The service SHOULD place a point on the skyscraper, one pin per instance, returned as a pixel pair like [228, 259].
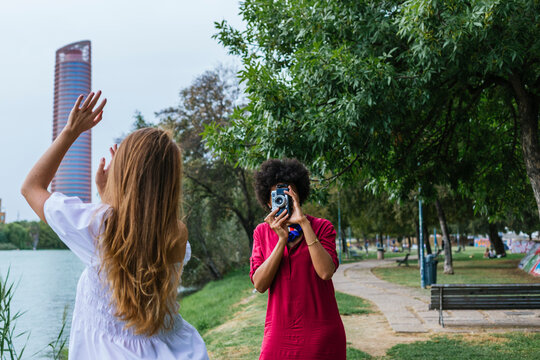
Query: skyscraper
[2, 214]
[72, 77]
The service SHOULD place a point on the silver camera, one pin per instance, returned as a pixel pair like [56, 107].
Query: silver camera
[280, 200]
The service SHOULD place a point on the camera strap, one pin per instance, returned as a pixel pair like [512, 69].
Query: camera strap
[295, 231]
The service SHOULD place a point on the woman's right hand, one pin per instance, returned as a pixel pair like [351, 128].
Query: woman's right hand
[278, 224]
[84, 117]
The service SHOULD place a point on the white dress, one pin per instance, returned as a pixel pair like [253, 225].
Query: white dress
[95, 332]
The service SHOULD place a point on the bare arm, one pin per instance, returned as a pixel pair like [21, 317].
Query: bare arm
[321, 259]
[34, 187]
[264, 275]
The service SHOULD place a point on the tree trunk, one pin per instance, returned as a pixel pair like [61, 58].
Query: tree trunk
[249, 227]
[528, 114]
[410, 242]
[448, 266]
[496, 241]
[209, 262]
[248, 222]
[426, 239]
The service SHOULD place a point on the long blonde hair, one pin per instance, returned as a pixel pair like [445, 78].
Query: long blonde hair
[143, 240]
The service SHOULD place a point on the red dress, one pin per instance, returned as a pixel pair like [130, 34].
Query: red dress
[302, 318]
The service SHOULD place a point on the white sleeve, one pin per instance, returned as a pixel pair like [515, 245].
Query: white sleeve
[187, 256]
[76, 223]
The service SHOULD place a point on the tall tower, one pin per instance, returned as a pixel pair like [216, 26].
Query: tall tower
[2, 214]
[72, 77]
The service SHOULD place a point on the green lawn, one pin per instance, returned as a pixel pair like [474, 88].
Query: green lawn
[510, 346]
[372, 255]
[469, 267]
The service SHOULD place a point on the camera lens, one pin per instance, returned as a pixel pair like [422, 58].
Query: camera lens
[279, 200]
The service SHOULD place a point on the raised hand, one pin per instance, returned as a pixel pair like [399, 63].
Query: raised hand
[278, 224]
[297, 215]
[103, 173]
[84, 117]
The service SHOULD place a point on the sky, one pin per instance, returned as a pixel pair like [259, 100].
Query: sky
[143, 54]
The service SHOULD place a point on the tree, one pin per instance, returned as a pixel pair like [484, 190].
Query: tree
[386, 90]
[380, 85]
[211, 99]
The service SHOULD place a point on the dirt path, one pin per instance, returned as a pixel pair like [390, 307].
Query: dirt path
[372, 334]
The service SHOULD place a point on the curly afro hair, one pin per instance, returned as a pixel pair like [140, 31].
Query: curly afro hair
[275, 171]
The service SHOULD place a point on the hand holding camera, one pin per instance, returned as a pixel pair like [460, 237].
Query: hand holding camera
[278, 223]
[285, 199]
[296, 215]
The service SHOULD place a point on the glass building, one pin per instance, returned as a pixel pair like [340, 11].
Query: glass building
[72, 77]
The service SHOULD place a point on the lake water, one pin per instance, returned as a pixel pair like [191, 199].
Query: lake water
[47, 282]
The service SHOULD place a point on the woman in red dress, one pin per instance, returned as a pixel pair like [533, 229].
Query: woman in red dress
[294, 258]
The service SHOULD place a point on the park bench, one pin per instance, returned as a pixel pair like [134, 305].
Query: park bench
[405, 260]
[483, 297]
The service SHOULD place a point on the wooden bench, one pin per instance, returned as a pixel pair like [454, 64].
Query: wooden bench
[483, 297]
[405, 260]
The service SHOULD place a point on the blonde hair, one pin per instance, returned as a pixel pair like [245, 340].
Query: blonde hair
[144, 242]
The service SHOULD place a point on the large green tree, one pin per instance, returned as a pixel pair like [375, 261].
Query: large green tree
[386, 89]
[356, 85]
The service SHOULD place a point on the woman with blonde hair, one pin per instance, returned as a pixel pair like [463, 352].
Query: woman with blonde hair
[132, 243]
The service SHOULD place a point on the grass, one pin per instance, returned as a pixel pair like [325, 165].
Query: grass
[511, 346]
[469, 268]
[352, 305]
[8, 319]
[215, 303]
[355, 354]
[372, 255]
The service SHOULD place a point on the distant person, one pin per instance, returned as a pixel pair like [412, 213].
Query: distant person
[132, 243]
[294, 258]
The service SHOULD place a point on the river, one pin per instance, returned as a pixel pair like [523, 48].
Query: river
[47, 282]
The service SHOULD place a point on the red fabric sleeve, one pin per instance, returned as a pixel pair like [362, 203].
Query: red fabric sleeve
[327, 237]
[257, 257]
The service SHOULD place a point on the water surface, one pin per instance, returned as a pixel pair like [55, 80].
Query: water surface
[47, 282]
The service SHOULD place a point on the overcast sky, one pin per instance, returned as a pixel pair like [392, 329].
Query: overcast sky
[143, 53]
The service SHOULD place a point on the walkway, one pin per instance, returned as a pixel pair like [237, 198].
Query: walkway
[406, 309]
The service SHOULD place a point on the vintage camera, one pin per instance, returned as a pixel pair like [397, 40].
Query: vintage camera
[280, 200]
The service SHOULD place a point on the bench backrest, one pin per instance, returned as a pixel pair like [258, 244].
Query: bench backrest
[485, 296]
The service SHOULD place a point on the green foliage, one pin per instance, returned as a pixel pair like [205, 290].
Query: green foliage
[24, 234]
[18, 235]
[402, 93]
[8, 332]
[58, 345]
